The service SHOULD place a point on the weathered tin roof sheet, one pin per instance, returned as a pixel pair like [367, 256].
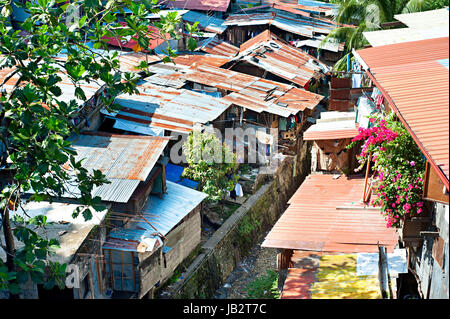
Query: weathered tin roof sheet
[162, 213]
[202, 5]
[325, 215]
[316, 7]
[168, 108]
[333, 126]
[205, 21]
[252, 92]
[218, 47]
[416, 86]
[269, 52]
[70, 232]
[303, 26]
[425, 19]
[126, 160]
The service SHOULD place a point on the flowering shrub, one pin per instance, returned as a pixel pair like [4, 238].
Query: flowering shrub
[399, 165]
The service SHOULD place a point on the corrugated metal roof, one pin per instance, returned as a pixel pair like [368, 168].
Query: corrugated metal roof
[217, 47]
[276, 6]
[66, 85]
[202, 5]
[303, 26]
[276, 56]
[391, 36]
[126, 160]
[70, 232]
[205, 22]
[162, 213]
[416, 86]
[425, 19]
[200, 59]
[315, 7]
[154, 35]
[129, 60]
[168, 108]
[252, 92]
[422, 25]
[325, 215]
[332, 126]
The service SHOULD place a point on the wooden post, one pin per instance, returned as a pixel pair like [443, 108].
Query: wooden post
[367, 176]
[383, 273]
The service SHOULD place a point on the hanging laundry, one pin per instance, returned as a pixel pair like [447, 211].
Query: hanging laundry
[282, 124]
[379, 100]
[365, 108]
[238, 189]
[356, 80]
[375, 93]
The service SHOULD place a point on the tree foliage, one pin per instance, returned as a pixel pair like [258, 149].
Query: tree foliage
[368, 15]
[211, 163]
[49, 47]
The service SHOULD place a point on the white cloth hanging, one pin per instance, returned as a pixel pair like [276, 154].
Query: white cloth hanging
[238, 189]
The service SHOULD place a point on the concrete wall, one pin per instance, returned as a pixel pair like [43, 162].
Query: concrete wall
[240, 232]
[182, 240]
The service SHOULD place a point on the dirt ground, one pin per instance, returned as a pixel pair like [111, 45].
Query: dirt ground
[253, 266]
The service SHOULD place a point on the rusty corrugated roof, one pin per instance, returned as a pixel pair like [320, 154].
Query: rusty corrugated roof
[119, 156]
[269, 52]
[325, 215]
[201, 5]
[126, 161]
[218, 47]
[250, 91]
[168, 108]
[129, 61]
[154, 36]
[416, 84]
[333, 126]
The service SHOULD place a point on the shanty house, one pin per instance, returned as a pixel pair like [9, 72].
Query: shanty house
[142, 255]
[80, 246]
[268, 56]
[417, 90]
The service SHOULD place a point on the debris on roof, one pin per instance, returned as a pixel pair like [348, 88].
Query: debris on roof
[250, 91]
[70, 232]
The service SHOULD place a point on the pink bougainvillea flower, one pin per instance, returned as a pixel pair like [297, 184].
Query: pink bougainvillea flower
[412, 163]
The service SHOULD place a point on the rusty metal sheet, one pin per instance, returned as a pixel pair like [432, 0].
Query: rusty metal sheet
[218, 47]
[119, 156]
[416, 86]
[201, 5]
[271, 53]
[324, 214]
